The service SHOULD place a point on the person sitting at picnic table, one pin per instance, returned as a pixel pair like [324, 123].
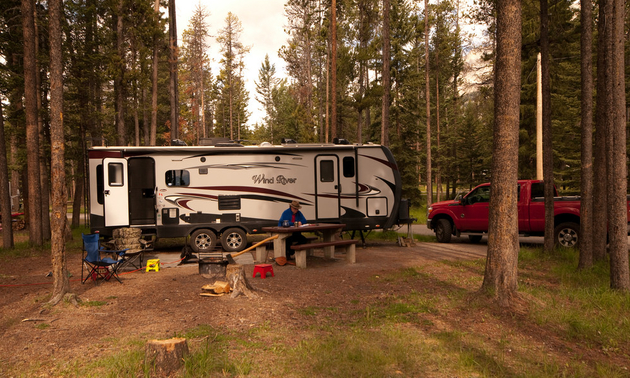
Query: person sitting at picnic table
[293, 217]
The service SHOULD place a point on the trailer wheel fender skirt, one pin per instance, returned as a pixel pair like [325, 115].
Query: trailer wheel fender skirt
[203, 240]
[233, 239]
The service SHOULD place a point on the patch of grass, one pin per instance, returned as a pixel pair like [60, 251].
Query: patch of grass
[382, 235]
[580, 304]
[309, 311]
[42, 326]
[420, 213]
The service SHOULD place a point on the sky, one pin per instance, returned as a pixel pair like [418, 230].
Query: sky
[263, 24]
[263, 30]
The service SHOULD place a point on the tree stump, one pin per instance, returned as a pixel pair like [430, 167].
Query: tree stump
[237, 279]
[165, 357]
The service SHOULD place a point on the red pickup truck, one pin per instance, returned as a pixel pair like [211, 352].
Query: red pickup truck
[470, 214]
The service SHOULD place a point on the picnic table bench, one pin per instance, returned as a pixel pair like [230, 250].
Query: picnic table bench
[329, 250]
[261, 250]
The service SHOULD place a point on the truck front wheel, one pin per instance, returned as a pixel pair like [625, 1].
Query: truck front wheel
[443, 231]
[567, 234]
[475, 238]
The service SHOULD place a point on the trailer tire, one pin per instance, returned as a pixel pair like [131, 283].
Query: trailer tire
[443, 231]
[203, 240]
[567, 234]
[233, 239]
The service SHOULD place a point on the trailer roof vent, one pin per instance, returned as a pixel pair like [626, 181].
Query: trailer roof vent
[178, 142]
[340, 141]
[288, 141]
[219, 142]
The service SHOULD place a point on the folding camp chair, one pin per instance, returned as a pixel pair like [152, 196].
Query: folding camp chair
[96, 266]
[136, 245]
[133, 259]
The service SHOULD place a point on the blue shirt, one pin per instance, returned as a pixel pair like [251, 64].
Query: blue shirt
[288, 215]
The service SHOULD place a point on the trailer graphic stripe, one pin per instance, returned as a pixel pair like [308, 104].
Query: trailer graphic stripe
[391, 165]
[182, 199]
[248, 189]
[240, 166]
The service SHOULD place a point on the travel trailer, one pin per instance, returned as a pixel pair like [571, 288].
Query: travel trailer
[227, 191]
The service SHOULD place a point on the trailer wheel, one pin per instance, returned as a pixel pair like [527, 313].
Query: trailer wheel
[233, 240]
[443, 231]
[203, 240]
[567, 234]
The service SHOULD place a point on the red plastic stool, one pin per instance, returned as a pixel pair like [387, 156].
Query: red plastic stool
[263, 269]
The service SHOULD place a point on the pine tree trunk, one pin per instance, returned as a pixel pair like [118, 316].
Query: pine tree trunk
[604, 99]
[154, 82]
[333, 71]
[43, 167]
[172, 34]
[618, 221]
[500, 279]
[586, 192]
[428, 102]
[77, 201]
[120, 77]
[5, 194]
[61, 284]
[546, 128]
[32, 132]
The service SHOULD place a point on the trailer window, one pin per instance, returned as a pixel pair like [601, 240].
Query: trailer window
[179, 177]
[326, 171]
[115, 174]
[348, 166]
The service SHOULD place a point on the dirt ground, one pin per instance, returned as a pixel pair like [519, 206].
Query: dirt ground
[160, 304]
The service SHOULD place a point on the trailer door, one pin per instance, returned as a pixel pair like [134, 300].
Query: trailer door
[115, 192]
[142, 188]
[327, 187]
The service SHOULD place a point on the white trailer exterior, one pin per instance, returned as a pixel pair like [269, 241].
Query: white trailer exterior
[213, 193]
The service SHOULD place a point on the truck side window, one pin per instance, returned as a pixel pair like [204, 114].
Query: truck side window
[480, 195]
[179, 177]
[348, 166]
[538, 189]
[326, 171]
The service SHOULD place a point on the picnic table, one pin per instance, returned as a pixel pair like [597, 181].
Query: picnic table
[328, 244]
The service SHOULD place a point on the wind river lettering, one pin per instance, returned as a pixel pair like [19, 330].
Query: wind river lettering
[280, 179]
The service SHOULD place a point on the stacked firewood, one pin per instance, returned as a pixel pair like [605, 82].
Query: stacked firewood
[127, 238]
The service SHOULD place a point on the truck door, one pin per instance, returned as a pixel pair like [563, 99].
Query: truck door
[474, 216]
[327, 187]
[115, 192]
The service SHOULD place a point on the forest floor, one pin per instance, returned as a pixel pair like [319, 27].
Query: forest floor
[38, 340]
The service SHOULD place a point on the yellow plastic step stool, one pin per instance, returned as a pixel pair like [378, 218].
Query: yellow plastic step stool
[153, 264]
